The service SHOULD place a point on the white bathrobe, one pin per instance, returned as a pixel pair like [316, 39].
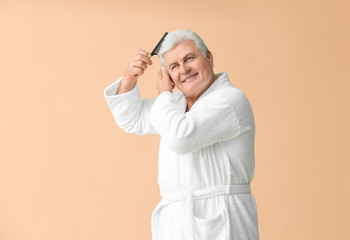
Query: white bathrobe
[206, 159]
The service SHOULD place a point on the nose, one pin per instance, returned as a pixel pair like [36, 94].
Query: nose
[184, 68]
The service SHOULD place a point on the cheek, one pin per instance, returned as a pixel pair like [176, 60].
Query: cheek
[175, 78]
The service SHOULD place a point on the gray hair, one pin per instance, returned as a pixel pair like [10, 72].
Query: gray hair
[175, 37]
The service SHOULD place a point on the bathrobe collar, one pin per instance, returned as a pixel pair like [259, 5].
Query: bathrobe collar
[221, 81]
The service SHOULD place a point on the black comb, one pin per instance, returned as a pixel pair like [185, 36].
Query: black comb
[156, 49]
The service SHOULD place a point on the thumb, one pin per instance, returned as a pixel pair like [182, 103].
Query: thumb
[164, 72]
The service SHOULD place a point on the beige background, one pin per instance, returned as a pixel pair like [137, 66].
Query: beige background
[68, 172]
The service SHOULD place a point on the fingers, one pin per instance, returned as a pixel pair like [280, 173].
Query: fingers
[144, 56]
[165, 73]
[139, 62]
[143, 52]
[137, 71]
[141, 57]
[138, 58]
[164, 82]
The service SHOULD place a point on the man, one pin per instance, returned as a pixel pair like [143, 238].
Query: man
[206, 154]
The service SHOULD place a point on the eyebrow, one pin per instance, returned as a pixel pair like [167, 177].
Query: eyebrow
[181, 59]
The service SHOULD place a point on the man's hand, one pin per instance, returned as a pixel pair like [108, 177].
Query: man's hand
[164, 82]
[136, 66]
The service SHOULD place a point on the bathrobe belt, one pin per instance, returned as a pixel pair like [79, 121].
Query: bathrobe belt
[188, 199]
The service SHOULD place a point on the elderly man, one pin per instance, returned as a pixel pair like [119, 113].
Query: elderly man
[206, 154]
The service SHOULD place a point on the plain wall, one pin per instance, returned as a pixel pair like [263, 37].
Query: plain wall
[68, 172]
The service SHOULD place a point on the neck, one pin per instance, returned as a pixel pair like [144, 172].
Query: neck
[191, 100]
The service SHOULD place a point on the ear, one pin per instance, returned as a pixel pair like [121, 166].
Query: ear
[210, 57]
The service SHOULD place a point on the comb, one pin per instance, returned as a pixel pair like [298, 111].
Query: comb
[157, 48]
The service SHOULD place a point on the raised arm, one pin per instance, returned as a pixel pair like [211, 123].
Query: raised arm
[137, 64]
[219, 116]
[129, 110]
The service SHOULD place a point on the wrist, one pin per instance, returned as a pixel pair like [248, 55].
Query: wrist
[126, 85]
[127, 78]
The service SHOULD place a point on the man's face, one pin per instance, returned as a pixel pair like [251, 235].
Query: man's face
[189, 69]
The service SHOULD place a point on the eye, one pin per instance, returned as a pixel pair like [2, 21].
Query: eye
[188, 58]
[173, 67]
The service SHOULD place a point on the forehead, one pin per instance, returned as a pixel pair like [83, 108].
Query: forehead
[179, 51]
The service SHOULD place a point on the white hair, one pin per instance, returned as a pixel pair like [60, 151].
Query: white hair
[175, 37]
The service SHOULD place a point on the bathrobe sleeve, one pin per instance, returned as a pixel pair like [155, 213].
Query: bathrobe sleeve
[219, 116]
[130, 111]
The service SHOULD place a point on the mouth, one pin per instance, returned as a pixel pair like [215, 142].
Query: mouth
[189, 78]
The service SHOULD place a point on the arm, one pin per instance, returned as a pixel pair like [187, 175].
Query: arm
[129, 110]
[219, 116]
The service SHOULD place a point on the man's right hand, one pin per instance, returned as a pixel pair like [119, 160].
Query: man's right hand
[136, 66]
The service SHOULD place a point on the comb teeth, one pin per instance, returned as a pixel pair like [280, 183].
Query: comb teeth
[157, 48]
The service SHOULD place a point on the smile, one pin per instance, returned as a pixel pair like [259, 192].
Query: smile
[190, 77]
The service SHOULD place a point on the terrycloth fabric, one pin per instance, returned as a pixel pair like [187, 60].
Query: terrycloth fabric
[211, 145]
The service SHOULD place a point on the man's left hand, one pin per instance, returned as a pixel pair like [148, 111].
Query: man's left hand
[164, 82]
